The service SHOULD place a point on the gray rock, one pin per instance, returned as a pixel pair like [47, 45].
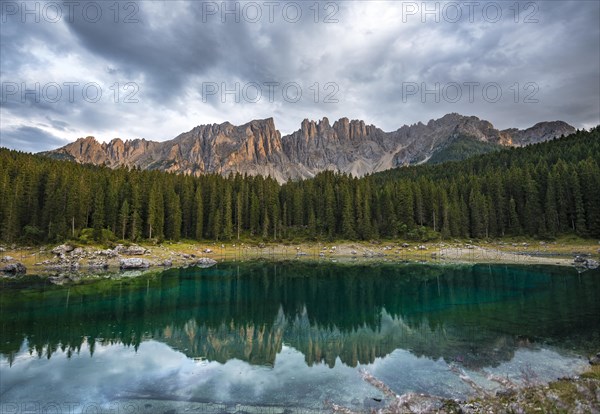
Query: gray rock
[134, 263]
[507, 393]
[59, 280]
[595, 359]
[167, 263]
[7, 259]
[97, 264]
[107, 253]
[131, 273]
[78, 252]
[585, 263]
[205, 262]
[14, 269]
[133, 250]
[62, 249]
[62, 266]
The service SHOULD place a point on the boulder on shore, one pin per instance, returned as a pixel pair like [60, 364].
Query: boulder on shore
[133, 250]
[14, 269]
[585, 263]
[62, 249]
[107, 253]
[134, 263]
[205, 262]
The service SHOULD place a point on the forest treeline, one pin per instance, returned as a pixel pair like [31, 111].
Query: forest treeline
[542, 190]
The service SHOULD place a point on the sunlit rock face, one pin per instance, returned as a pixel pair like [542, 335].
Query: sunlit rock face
[257, 148]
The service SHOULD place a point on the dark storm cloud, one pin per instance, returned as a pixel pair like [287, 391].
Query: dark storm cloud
[370, 55]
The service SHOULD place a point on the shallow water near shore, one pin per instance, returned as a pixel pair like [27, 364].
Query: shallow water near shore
[290, 334]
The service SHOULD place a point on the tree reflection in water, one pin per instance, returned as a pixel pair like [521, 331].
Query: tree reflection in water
[473, 315]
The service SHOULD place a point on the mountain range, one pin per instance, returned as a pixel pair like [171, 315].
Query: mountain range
[348, 146]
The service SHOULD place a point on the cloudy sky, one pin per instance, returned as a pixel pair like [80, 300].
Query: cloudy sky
[155, 69]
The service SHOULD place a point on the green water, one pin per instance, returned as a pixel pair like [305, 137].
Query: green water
[289, 334]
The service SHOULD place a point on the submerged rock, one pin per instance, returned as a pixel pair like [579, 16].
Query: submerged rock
[134, 263]
[205, 262]
[59, 280]
[62, 265]
[98, 264]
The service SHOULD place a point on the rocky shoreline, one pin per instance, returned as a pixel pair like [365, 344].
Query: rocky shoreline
[70, 263]
[67, 259]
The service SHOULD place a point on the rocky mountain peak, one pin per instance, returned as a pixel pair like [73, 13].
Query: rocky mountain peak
[257, 147]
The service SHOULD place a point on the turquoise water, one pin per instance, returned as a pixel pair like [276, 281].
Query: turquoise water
[295, 335]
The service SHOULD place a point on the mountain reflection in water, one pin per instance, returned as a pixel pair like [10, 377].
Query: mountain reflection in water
[477, 316]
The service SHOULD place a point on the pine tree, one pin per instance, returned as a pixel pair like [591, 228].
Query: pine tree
[254, 214]
[98, 215]
[579, 210]
[329, 199]
[124, 218]
[551, 213]
[348, 227]
[238, 214]
[532, 211]
[514, 226]
[173, 216]
[199, 214]
[445, 207]
[227, 213]
[156, 212]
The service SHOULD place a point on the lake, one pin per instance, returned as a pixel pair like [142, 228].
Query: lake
[258, 336]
